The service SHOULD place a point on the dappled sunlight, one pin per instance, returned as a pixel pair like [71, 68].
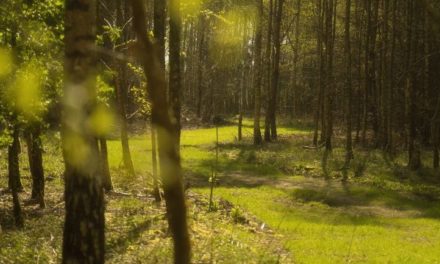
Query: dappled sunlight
[219, 131]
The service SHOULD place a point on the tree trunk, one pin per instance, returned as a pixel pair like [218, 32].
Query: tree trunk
[392, 83]
[169, 156]
[258, 72]
[105, 169]
[268, 63]
[296, 51]
[159, 35]
[348, 85]
[156, 191]
[367, 85]
[121, 84]
[14, 176]
[320, 54]
[200, 63]
[35, 157]
[121, 94]
[175, 78]
[275, 70]
[83, 238]
[13, 153]
[329, 93]
[414, 155]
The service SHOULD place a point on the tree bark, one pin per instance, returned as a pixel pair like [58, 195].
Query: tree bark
[105, 169]
[169, 156]
[268, 63]
[83, 237]
[14, 176]
[348, 85]
[296, 52]
[35, 157]
[320, 54]
[275, 76]
[13, 159]
[156, 192]
[414, 155]
[175, 78]
[329, 93]
[121, 85]
[159, 30]
[201, 57]
[258, 72]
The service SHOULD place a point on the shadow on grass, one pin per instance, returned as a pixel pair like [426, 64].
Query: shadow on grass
[6, 219]
[120, 244]
[364, 200]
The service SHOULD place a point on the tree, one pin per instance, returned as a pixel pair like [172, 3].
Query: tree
[349, 91]
[268, 63]
[411, 93]
[169, 158]
[330, 26]
[122, 84]
[103, 160]
[275, 70]
[175, 78]
[159, 35]
[257, 72]
[35, 155]
[14, 175]
[83, 238]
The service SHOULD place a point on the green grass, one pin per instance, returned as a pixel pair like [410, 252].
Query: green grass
[383, 214]
[316, 232]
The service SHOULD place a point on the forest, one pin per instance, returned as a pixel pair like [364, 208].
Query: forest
[219, 131]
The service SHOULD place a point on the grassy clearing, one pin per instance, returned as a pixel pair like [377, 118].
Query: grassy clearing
[384, 214]
[283, 208]
[136, 228]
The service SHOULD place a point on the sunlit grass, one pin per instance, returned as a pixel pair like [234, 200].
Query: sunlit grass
[385, 213]
[318, 233]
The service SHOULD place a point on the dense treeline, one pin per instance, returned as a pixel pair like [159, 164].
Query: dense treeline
[367, 68]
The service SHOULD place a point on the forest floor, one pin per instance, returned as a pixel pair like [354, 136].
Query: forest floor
[279, 203]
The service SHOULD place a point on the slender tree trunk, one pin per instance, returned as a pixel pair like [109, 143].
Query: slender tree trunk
[14, 176]
[35, 157]
[159, 29]
[391, 88]
[121, 94]
[159, 35]
[14, 151]
[358, 102]
[276, 70]
[175, 79]
[414, 162]
[320, 54]
[329, 93]
[349, 88]
[268, 63]
[121, 85]
[375, 70]
[200, 64]
[169, 156]
[258, 72]
[105, 169]
[156, 191]
[296, 58]
[83, 238]
[367, 73]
